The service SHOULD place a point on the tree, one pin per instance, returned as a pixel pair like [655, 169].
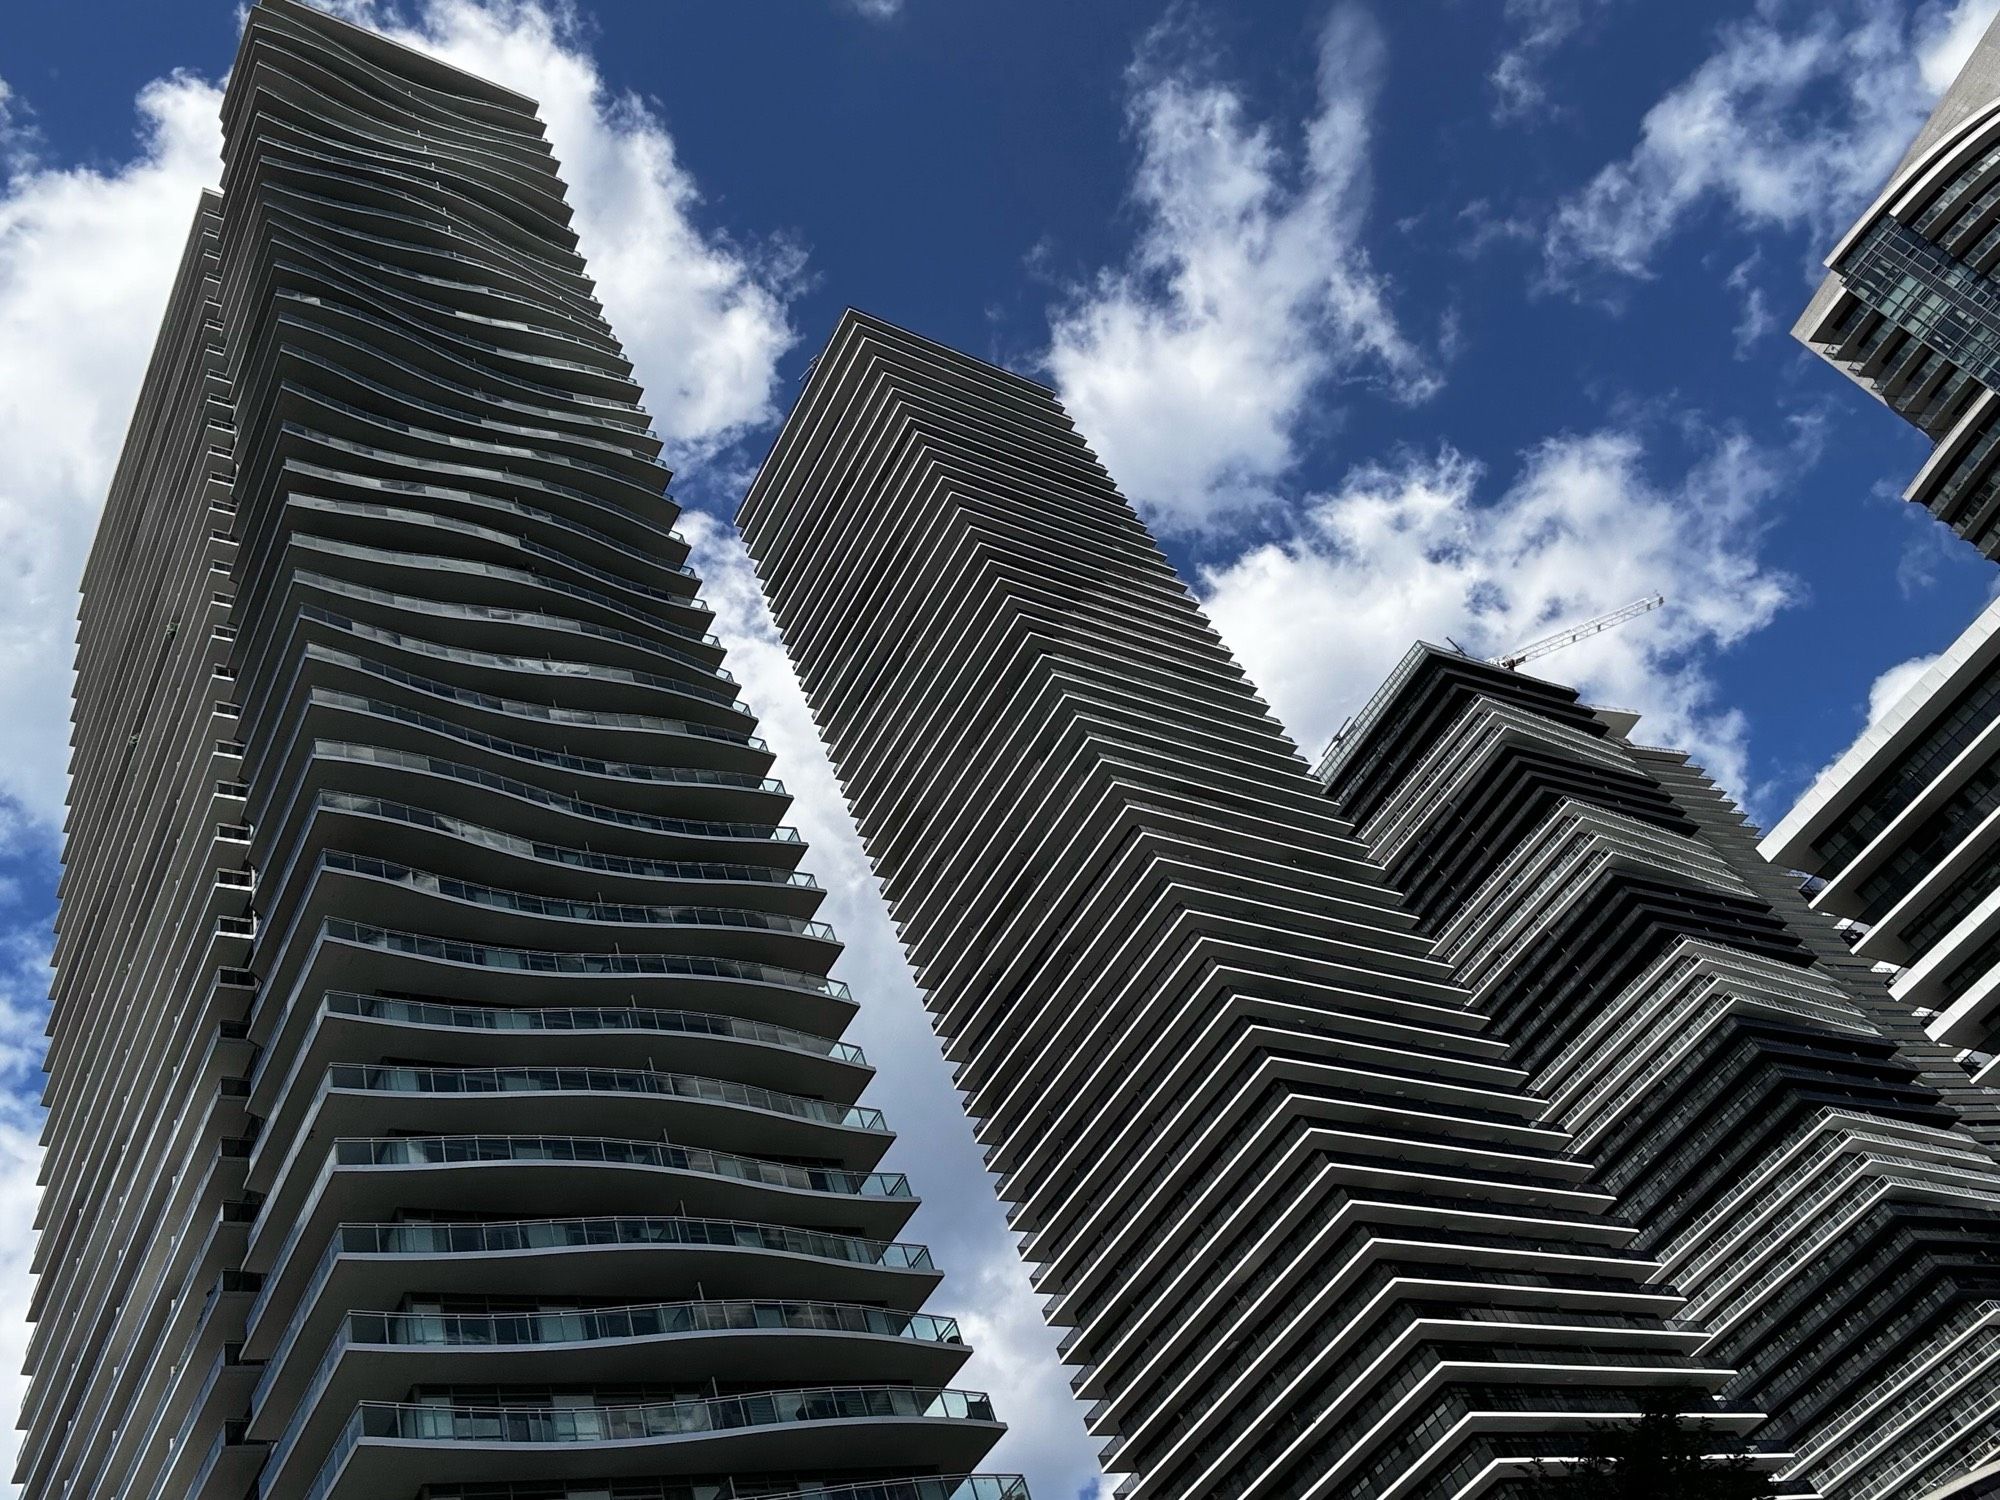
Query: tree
[1662, 1456]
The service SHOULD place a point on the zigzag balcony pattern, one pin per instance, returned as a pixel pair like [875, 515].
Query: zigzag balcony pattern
[1791, 1148]
[446, 1087]
[1292, 1205]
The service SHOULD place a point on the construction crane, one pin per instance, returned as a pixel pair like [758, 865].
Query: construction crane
[1576, 633]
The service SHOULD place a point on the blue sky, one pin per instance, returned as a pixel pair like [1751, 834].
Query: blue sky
[1425, 317]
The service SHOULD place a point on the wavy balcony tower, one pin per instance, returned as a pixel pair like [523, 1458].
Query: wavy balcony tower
[1307, 1231]
[446, 1091]
[1802, 1161]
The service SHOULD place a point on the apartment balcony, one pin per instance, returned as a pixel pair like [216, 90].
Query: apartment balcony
[338, 612]
[415, 699]
[220, 1389]
[365, 1178]
[388, 893]
[381, 1356]
[347, 1027]
[596, 501]
[416, 567]
[356, 957]
[452, 782]
[949, 1487]
[326, 361]
[398, 1449]
[631, 1256]
[356, 1099]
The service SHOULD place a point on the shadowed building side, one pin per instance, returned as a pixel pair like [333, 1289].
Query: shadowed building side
[1289, 1198]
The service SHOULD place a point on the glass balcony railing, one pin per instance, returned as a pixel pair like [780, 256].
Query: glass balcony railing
[654, 1320]
[615, 1424]
[597, 812]
[582, 859]
[613, 1232]
[650, 1320]
[497, 455]
[390, 1079]
[585, 1019]
[537, 961]
[552, 444]
[425, 1150]
[541, 665]
[541, 620]
[499, 573]
[438, 521]
[953, 1487]
[292, 303]
[581, 911]
[418, 376]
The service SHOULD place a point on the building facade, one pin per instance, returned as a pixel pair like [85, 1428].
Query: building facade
[1304, 1226]
[1901, 839]
[1910, 306]
[1801, 1161]
[446, 1090]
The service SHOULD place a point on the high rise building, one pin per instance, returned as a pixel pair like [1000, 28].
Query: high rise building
[1901, 839]
[1307, 1231]
[1794, 1151]
[446, 1090]
[1910, 306]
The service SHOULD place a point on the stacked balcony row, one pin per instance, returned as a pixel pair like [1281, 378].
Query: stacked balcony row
[1795, 1158]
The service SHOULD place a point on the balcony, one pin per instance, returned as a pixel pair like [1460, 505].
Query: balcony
[356, 1098]
[364, 1180]
[405, 830]
[363, 958]
[611, 1256]
[353, 1027]
[396, 1449]
[372, 890]
[377, 1355]
[951, 1487]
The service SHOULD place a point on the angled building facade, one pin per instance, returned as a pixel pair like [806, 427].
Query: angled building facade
[1910, 306]
[446, 1093]
[1803, 1163]
[1305, 1227]
[1901, 840]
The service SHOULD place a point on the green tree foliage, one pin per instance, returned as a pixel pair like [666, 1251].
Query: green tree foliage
[1668, 1454]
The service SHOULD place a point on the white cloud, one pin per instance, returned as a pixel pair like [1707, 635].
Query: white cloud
[1756, 319]
[1542, 27]
[877, 10]
[1794, 120]
[1410, 549]
[1946, 36]
[1889, 685]
[1893, 683]
[1247, 293]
